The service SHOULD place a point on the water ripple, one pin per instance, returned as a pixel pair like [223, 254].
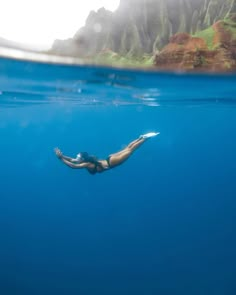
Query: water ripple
[27, 83]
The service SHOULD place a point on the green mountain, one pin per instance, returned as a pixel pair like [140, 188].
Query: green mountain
[141, 27]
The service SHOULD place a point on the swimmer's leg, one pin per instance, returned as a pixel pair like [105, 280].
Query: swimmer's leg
[120, 157]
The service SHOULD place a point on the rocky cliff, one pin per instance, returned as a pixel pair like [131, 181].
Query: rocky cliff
[213, 49]
[142, 26]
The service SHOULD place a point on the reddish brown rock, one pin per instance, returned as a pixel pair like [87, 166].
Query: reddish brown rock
[185, 52]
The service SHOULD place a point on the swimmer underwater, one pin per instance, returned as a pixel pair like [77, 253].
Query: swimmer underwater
[94, 165]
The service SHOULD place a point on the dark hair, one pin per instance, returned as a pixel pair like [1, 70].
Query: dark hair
[85, 157]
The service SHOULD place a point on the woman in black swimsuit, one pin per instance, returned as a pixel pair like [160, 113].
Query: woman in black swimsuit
[93, 165]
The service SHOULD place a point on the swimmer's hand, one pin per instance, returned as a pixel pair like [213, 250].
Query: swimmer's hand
[58, 153]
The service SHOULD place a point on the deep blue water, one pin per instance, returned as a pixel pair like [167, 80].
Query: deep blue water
[162, 223]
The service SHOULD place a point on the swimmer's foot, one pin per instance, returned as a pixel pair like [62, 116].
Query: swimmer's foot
[148, 135]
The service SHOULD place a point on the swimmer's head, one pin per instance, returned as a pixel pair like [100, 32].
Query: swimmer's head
[82, 157]
[79, 158]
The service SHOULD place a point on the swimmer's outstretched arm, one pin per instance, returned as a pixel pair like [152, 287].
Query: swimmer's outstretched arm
[72, 160]
[73, 165]
[68, 160]
[59, 154]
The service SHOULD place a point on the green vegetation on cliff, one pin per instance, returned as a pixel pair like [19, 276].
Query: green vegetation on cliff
[113, 59]
[208, 36]
[230, 25]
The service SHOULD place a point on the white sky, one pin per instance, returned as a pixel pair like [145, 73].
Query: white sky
[40, 22]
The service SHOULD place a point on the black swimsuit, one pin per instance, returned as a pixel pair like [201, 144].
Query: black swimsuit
[108, 161]
[95, 169]
[98, 164]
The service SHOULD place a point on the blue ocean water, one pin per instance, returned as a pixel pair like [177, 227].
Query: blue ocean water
[162, 223]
